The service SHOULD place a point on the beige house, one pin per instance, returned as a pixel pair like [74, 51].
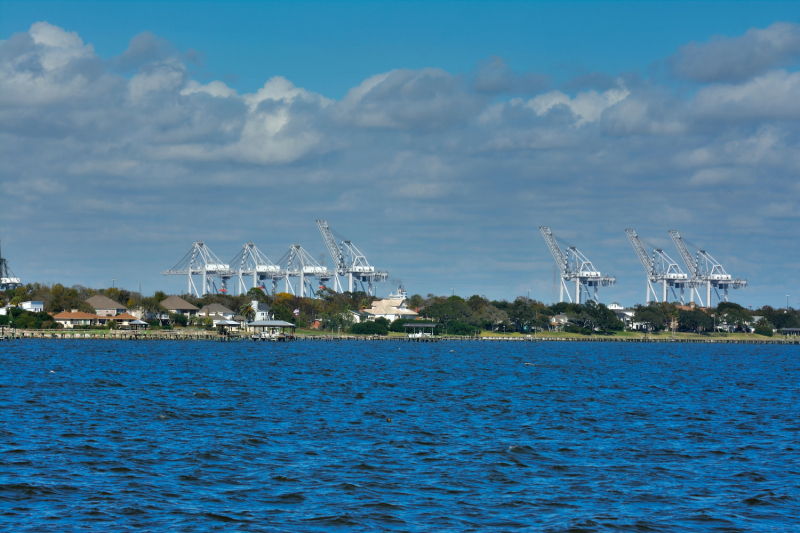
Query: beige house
[391, 308]
[176, 304]
[215, 309]
[105, 306]
[75, 318]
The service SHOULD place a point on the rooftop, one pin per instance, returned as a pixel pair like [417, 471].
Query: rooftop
[175, 303]
[98, 301]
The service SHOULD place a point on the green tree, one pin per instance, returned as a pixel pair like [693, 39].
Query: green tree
[248, 312]
[651, 316]
[369, 328]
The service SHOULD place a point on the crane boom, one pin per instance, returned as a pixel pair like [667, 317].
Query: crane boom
[684, 251]
[330, 242]
[647, 263]
[558, 255]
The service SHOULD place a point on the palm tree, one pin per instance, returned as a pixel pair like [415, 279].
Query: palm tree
[247, 311]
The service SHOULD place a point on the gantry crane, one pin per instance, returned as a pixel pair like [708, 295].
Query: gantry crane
[706, 271]
[660, 269]
[250, 261]
[350, 262]
[575, 267]
[297, 263]
[200, 260]
[8, 280]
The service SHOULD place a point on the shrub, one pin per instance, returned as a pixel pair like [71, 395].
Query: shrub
[369, 328]
[765, 331]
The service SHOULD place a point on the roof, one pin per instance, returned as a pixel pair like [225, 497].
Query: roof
[215, 308]
[271, 324]
[122, 316]
[139, 323]
[79, 315]
[412, 325]
[226, 322]
[175, 303]
[791, 330]
[98, 301]
[262, 307]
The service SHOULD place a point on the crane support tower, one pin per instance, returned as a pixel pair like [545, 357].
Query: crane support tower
[251, 263]
[574, 266]
[297, 263]
[8, 280]
[350, 262]
[706, 272]
[201, 261]
[660, 269]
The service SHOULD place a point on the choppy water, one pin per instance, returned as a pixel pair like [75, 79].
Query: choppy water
[116, 436]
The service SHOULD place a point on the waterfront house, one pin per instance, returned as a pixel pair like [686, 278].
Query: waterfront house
[105, 306]
[391, 308]
[261, 309]
[175, 304]
[32, 307]
[76, 318]
[215, 309]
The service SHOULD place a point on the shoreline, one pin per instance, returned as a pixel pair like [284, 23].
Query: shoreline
[214, 337]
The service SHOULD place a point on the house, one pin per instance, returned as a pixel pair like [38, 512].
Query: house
[391, 308]
[76, 318]
[33, 307]
[175, 304]
[216, 309]
[559, 319]
[626, 316]
[614, 306]
[261, 309]
[105, 306]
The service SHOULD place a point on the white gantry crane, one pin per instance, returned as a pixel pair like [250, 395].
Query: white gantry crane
[350, 262]
[251, 263]
[8, 280]
[660, 269]
[201, 261]
[706, 271]
[297, 263]
[575, 267]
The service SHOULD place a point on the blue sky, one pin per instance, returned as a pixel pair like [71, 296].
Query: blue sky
[436, 135]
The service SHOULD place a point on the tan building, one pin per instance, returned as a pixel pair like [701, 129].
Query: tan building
[105, 306]
[75, 318]
[391, 309]
[176, 304]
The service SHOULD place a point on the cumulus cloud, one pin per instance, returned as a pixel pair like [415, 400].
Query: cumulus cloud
[459, 165]
[738, 58]
[494, 76]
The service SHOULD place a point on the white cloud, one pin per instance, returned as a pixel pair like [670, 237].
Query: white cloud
[588, 106]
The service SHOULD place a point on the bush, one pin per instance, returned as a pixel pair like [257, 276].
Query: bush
[765, 331]
[460, 328]
[369, 328]
[576, 329]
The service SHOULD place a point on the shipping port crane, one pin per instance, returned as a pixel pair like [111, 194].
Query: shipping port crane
[8, 280]
[251, 262]
[574, 266]
[201, 261]
[706, 271]
[350, 262]
[660, 269]
[297, 263]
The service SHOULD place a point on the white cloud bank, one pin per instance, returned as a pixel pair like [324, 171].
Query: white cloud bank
[444, 159]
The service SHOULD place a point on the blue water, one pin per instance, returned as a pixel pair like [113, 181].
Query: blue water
[162, 436]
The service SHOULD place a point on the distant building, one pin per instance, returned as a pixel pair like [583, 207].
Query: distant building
[391, 308]
[33, 307]
[175, 304]
[210, 310]
[105, 306]
[75, 318]
[614, 306]
[262, 310]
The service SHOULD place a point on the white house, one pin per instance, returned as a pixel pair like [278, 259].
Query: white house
[391, 308]
[262, 310]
